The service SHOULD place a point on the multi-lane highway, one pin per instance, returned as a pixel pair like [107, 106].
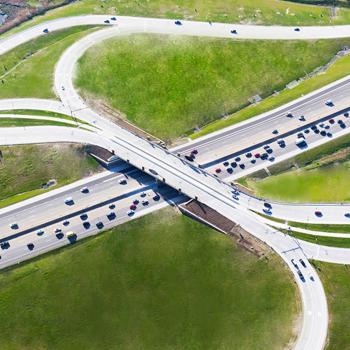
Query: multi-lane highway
[182, 175]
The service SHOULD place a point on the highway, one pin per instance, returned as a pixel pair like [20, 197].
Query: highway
[175, 171]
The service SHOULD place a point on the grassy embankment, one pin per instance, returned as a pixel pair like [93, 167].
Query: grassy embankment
[323, 176]
[159, 282]
[35, 165]
[191, 81]
[27, 70]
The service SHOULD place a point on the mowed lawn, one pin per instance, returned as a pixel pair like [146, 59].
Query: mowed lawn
[169, 85]
[28, 70]
[23, 169]
[324, 184]
[160, 282]
[336, 281]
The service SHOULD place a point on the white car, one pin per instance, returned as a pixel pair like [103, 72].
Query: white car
[84, 190]
[69, 201]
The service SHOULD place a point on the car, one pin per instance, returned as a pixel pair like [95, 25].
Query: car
[86, 225]
[267, 205]
[71, 236]
[316, 131]
[313, 127]
[302, 263]
[156, 198]
[30, 246]
[329, 103]
[331, 121]
[122, 182]
[297, 29]
[301, 276]
[111, 216]
[264, 156]
[253, 161]
[45, 31]
[266, 147]
[318, 214]
[257, 155]
[269, 151]
[145, 202]
[178, 23]
[301, 143]
[65, 223]
[281, 143]
[242, 166]
[84, 217]
[275, 132]
[189, 158]
[143, 194]
[306, 131]
[327, 127]
[99, 225]
[272, 159]
[238, 159]
[40, 232]
[339, 121]
[234, 31]
[346, 114]
[226, 164]
[218, 170]
[248, 155]
[111, 206]
[323, 133]
[342, 125]
[4, 245]
[234, 165]
[69, 201]
[290, 115]
[347, 215]
[131, 213]
[84, 190]
[267, 211]
[107, 21]
[133, 207]
[113, 19]
[302, 118]
[194, 151]
[294, 264]
[229, 170]
[135, 201]
[57, 230]
[300, 135]
[14, 226]
[59, 235]
[329, 134]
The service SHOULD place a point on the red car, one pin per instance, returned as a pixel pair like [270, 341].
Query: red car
[257, 155]
[218, 170]
[133, 207]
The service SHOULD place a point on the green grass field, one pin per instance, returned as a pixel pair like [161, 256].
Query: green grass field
[27, 71]
[160, 282]
[35, 165]
[336, 281]
[10, 122]
[325, 184]
[251, 11]
[184, 82]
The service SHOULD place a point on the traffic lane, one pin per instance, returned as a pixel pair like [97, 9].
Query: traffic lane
[52, 209]
[257, 132]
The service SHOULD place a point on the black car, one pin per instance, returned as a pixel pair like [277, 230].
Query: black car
[86, 225]
[4, 245]
[112, 206]
[83, 217]
[45, 31]
[234, 31]
[30, 246]
[229, 170]
[107, 21]
[302, 262]
[253, 161]
[269, 151]
[301, 276]
[99, 225]
[342, 125]
[226, 163]
[178, 23]
[234, 165]
[267, 205]
[113, 19]
[189, 158]
[248, 155]
[242, 166]
[297, 29]
[238, 159]
[323, 133]
[156, 198]
[264, 156]
[111, 216]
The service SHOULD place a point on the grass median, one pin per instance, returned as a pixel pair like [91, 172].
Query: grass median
[187, 82]
[11, 122]
[36, 165]
[159, 282]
